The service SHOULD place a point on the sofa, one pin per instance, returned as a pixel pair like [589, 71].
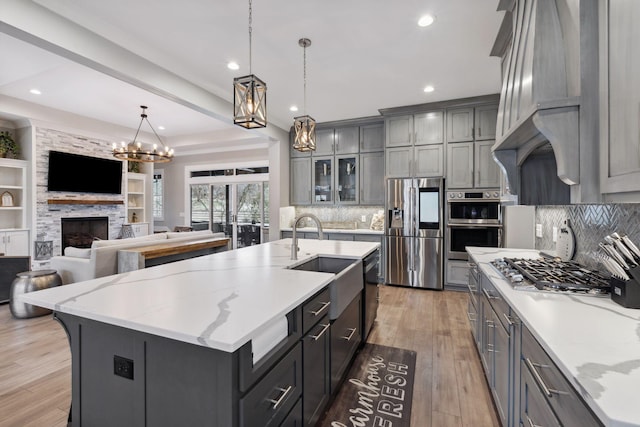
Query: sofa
[79, 264]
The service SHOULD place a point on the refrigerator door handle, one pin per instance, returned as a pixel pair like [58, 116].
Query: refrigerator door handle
[412, 211]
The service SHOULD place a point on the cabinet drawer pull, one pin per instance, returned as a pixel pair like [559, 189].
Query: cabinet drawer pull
[324, 329]
[486, 294]
[321, 309]
[353, 331]
[536, 375]
[471, 318]
[278, 401]
[531, 424]
[508, 319]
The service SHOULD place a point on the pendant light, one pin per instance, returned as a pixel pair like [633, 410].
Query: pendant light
[304, 126]
[136, 151]
[249, 96]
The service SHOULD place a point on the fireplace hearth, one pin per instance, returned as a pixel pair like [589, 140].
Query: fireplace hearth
[80, 232]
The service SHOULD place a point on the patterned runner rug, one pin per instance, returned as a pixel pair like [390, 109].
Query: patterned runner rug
[377, 390]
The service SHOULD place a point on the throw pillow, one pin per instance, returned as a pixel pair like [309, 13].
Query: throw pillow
[77, 252]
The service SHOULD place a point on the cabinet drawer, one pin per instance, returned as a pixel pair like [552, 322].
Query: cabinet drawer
[498, 304]
[269, 402]
[565, 401]
[314, 309]
[294, 419]
[345, 338]
[534, 408]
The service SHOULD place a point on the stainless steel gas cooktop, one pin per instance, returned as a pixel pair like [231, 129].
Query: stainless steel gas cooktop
[552, 275]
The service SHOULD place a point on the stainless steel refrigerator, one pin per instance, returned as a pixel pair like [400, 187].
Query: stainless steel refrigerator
[414, 232]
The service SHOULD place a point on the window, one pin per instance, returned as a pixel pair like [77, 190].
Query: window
[158, 195]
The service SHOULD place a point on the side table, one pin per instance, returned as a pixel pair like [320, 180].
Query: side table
[30, 281]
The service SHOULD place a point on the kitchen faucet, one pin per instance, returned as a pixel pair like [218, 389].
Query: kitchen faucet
[294, 239]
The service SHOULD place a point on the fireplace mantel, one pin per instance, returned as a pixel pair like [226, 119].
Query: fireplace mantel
[84, 202]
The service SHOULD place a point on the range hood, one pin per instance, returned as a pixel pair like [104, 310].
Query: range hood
[539, 43]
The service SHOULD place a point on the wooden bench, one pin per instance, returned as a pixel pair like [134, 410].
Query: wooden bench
[139, 257]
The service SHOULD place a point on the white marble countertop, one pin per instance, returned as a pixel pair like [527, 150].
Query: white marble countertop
[334, 230]
[220, 301]
[594, 341]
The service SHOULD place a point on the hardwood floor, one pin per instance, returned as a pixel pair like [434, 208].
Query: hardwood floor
[449, 387]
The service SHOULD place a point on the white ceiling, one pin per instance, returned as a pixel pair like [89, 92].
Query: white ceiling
[365, 55]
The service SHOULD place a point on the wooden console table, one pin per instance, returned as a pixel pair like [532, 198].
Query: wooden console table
[136, 258]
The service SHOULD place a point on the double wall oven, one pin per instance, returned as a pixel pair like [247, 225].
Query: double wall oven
[473, 219]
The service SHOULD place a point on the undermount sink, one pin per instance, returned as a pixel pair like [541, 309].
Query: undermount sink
[344, 287]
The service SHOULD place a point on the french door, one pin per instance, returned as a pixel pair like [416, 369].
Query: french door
[240, 210]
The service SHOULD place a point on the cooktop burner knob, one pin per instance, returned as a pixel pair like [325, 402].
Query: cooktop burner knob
[496, 194]
[487, 195]
[517, 278]
[459, 195]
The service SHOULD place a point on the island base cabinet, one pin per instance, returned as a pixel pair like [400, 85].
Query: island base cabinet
[534, 409]
[269, 401]
[345, 338]
[294, 419]
[553, 387]
[316, 346]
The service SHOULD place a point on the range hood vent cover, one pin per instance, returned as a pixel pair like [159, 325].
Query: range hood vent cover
[539, 100]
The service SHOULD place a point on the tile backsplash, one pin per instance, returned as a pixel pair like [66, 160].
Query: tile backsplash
[590, 223]
[342, 214]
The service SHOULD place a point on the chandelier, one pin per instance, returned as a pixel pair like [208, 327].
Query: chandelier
[304, 126]
[136, 151]
[249, 96]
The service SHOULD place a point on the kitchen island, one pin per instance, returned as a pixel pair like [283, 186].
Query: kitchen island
[593, 341]
[175, 344]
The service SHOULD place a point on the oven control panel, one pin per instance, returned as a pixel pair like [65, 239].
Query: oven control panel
[462, 195]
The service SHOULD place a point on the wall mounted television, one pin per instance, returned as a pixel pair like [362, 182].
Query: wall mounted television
[84, 174]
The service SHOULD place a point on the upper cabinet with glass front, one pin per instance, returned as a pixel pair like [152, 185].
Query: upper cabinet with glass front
[322, 180]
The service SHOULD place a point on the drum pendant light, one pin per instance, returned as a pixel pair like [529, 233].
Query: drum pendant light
[304, 126]
[249, 95]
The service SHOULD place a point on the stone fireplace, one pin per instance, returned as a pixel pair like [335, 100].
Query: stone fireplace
[80, 232]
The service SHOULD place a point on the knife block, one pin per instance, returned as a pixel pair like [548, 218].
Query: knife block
[627, 292]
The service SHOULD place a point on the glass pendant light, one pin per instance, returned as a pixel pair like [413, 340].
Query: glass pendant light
[249, 95]
[304, 126]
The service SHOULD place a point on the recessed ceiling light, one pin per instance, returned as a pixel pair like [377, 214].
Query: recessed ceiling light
[426, 20]
[161, 127]
[233, 65]
[293, 108]
[429, 89]
[35, 92]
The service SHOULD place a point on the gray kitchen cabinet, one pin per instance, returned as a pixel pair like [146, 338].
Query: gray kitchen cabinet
[620, 89]
[460, 165]
[552, 389]
[416, 129]
[372, 178]
[316, 356]
[346, 140]
[468, 124]
[345, 339]
[398, 131]
[485, 119]
[487, 172]
[457, 273]
[398, 162]
[428, 127]
[534, 409]
[347, 183]
[340, 236]
[325, 140]
[300, 181]
[429, 160]
[316, 365]
[460, 125]
[372, 137]
[322, 178]
[471, 165]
